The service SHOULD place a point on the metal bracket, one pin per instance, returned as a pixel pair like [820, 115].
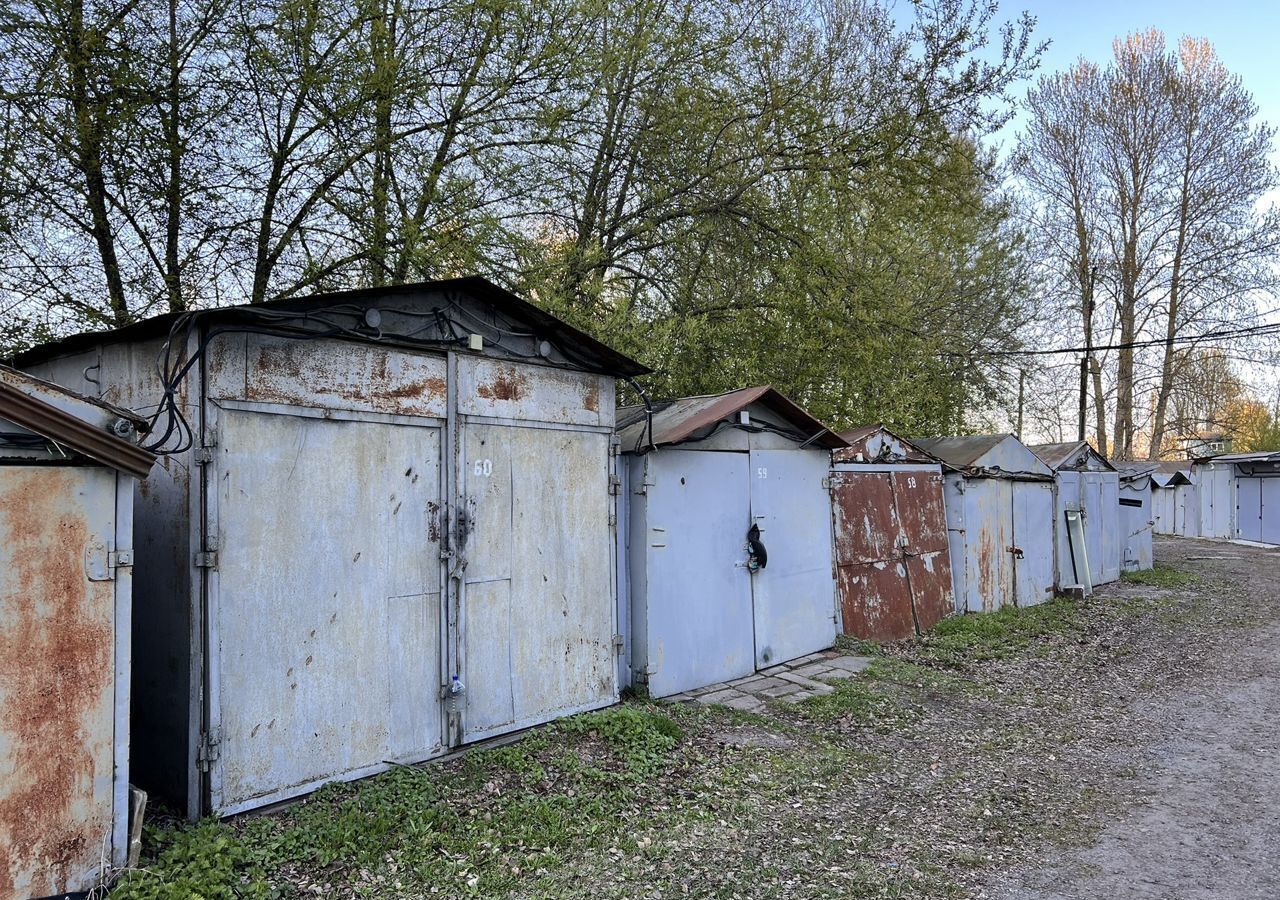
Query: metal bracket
[118, 558]
[619, 644]
[615, 485]
[207, 559]
[204, 456]
[207, 754]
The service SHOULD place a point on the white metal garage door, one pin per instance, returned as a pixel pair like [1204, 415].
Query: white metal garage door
[325, 602]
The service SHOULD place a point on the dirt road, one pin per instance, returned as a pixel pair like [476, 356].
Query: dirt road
[1205, 819]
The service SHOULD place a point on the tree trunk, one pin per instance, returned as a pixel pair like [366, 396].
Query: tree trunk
[89, 156]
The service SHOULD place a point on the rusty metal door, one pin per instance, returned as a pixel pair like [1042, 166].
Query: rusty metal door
[793, 596]
[536, 609]
[892, 556]
[58, 688]
[325, 613]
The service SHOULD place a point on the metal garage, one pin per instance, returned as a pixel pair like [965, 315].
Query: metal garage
[67, 470]
[1257, 480]
[893, 562]
[1174, 500]
[383, 528]
[1215, 486]
[1087, 498]
[728, 537]
[1137, 515]
[999, 503]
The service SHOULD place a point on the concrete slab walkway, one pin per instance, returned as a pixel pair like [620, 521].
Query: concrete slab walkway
[790, 682]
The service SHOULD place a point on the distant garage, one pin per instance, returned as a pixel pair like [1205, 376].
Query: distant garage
[727, 537]
[999, 503]
[1257, 480]
[1086, 520]
[893, 561]
[1137, 515]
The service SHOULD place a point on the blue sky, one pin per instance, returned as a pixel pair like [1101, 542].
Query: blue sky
[1246, 34]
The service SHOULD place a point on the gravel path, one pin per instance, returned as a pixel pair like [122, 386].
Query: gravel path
[1206, 821]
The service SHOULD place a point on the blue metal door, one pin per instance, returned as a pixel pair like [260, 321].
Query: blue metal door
[793, 595]
[1249, 508]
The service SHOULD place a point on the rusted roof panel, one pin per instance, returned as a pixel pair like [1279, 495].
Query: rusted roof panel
[597, 353]
[689, 418]
[987, 454]
[1071, 455]
[961, 451]
[21, 403]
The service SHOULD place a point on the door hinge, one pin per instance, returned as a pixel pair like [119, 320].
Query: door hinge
[615, 485]
[101, 562]
[826, 484]
[613, 517]
[619, 643]
[207, 559]
[204, 456]
[120, 558]
[207, 753]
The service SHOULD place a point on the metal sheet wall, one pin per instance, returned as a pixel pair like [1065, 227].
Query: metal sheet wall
[1097, 494]
[1137, 522]
[1215, 487]
[698, 615]
[64, 676]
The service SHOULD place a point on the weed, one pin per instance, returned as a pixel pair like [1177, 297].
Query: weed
[1008, 632]
[1160, 575]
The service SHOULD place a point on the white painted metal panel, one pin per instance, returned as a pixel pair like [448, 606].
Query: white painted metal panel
[1270, 501]
[325, 610]
[518, 391]
[538, 603]
[697, 602]
[1249, 515]
[1033, 510]
[794, 595]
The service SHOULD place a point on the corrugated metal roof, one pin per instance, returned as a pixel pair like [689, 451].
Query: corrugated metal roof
[25, 401]
[1256, 456]
[688, 418]
[1068, 454]
[961, 451]
[553, 328]
[997, 454]
[1134, 471]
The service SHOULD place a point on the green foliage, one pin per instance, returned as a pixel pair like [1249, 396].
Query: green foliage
[1008, 632]
[859, 701]
[1161, 575]
[463, 828]
[204, 862]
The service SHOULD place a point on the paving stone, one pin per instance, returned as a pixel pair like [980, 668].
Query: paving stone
[721, 696]
[771, 681]
[773, 670]
[749, 683]
[806, 683]
[781, 690]
[838, 674]
[851, 663]
[678, 698]
[798, 696]
[813, 669]
[747, 703]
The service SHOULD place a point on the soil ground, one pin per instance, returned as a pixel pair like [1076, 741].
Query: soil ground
[1206, 816]
[1121, 746]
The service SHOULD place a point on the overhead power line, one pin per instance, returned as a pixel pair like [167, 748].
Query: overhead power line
[1272, 328]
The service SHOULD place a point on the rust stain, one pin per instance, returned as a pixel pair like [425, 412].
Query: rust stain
[55, 675]
[433, 522]
[591, 397]
[508, 384]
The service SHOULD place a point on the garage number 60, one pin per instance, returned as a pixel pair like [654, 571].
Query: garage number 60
[483, 468]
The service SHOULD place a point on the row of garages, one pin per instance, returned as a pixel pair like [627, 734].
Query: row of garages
[385, 524]
[1230, 497]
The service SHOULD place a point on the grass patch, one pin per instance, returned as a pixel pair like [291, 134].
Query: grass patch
[1160, 575]
[847, 643]
[467, 829]
[1011, 631]
[860, 701]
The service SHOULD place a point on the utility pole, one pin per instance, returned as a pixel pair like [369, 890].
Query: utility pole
[1022, 379]
[1086, 361]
